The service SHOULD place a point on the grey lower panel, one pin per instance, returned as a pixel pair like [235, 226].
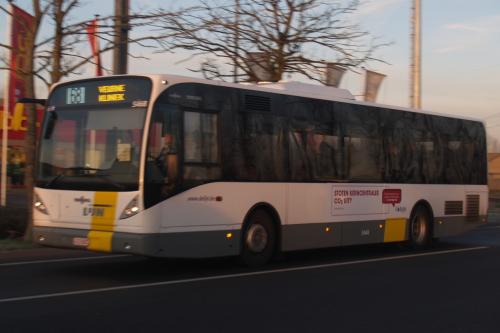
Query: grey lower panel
[58, 237]
[178, 245]
[365, 232]
[311, 236]
[216, 244]
[314, 235]
[173, 245]
[454, 225]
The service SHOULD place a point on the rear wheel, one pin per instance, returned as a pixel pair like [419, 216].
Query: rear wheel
[259, 239]
[420, 228]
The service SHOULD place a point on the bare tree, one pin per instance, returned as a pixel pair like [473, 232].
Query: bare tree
[289, 34]
[27, 72]
[64, 51]
[60, 54]
[52, 57]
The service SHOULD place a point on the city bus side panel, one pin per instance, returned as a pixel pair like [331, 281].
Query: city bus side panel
[206, 220]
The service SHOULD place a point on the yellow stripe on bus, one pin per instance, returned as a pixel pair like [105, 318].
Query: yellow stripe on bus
[100, 240]
[395, 230]
[104, 207]
[103, 219]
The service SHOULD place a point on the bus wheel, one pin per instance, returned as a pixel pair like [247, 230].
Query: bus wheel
[259, 239]
[420, 228]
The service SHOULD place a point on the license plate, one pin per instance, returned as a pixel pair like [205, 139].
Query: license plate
[80, 241]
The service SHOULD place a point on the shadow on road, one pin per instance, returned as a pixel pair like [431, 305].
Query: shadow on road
[134, 269]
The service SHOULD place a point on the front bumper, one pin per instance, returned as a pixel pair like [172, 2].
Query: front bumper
[201, 244]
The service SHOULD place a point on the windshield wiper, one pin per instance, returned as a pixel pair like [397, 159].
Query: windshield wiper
[108, 179]
[84, 172]
[84, 169]
[55, 179]
[100, 174]
[62, 174]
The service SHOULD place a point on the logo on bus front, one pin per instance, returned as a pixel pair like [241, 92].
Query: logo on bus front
[82, 200]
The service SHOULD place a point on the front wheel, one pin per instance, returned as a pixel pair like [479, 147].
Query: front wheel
[420, 228]
[259, 239]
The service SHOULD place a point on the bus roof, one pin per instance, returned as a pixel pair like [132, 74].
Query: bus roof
[285, 88]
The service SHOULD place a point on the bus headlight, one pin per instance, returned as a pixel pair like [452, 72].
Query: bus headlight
[39, 205]
[131, 209]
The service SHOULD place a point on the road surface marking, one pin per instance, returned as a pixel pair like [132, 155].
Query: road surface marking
[488, 228]
[238, 275]
[20, 263]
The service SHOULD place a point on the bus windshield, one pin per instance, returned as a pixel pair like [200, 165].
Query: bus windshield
[91, 146]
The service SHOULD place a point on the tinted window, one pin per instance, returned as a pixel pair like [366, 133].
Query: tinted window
[362, 143]
[234, 134]
[163, 154]
[201, 147]
[259, 147]
[183, 147]
[314, 144]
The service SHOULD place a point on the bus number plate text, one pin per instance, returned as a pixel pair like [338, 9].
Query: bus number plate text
[80, 241]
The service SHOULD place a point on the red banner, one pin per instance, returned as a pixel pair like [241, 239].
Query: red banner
[94, 45]
[21, 24]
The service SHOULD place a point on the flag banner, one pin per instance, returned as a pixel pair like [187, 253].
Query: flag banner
[20, 29]
[94, 46]
[334, 74]
[372, 84]
[258, 63]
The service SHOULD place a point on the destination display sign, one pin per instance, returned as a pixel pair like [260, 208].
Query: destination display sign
[131, 91]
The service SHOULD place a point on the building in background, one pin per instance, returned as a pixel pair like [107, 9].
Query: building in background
[16, 156]
[494, 171]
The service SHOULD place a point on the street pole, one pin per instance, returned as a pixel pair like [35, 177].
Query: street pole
[5, 118]
[120, 51]
[236, 37]
[416, 65]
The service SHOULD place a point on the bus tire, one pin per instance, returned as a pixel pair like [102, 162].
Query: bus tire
[420, 228]
[259, 239]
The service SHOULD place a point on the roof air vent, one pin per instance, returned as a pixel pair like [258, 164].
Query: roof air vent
[257, 103]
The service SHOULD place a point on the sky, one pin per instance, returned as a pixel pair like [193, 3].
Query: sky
[460, 53]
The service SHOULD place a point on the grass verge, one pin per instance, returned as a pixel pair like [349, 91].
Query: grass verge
[15, 244]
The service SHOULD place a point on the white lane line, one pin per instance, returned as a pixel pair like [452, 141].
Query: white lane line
[488, 228]
[20, 263]
[228, 276]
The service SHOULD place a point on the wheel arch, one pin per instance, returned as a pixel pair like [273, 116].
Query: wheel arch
[274, 215]
[424, 203]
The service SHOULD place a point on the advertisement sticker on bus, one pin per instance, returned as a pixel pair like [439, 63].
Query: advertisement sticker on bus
[350, 200]
[391, 196]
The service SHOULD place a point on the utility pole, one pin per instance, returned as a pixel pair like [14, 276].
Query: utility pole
[236, 37]
[120, 51]
[416, 65]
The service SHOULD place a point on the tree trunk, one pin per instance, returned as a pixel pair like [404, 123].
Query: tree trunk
[30, 142]
[55, 74]
[30, 139]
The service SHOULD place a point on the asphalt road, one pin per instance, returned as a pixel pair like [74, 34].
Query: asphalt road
[452, 287]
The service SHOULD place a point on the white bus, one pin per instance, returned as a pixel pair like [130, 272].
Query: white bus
[169, 166]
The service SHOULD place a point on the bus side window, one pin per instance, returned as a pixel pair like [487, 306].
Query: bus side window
[259, 147]
[162, 162]
[362, 143]
[201, 148]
